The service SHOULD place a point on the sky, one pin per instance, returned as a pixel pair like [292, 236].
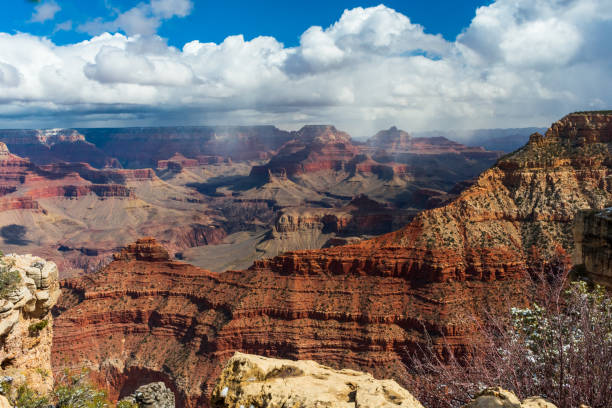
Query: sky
[361, 65]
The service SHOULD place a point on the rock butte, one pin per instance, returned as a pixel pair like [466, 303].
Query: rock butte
[147, 318]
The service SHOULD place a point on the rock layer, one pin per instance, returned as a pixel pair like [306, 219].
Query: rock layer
[141, 317]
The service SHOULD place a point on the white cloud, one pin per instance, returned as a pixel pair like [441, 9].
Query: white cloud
[116, 65]
[64, 26]
[171, 8]
[519, 63]
[143, 19]
[9, 76]
[45, 11]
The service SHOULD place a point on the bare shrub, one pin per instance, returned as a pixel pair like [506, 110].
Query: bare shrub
[559, 348]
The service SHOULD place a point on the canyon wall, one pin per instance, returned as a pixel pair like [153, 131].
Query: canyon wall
[593, 237]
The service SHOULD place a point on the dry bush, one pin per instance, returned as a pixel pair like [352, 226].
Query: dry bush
[559, 348]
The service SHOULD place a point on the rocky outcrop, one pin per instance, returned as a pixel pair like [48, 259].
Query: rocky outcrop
[145, 249]
[254, 381]
[393, 139]
[593, 250]
[30, 289]
[392, 164]
[396, 141]
[154, 395]
[177, 163]
[74, 191]
[500, 398]
[23, 182]
[97, 176]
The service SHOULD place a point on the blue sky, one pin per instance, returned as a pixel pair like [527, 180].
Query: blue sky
[360, 65]
[214, 20]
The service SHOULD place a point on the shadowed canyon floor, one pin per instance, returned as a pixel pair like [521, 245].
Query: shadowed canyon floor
[146, 317]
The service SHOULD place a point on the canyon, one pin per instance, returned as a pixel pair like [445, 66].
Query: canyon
[217, 197]
[366, 305]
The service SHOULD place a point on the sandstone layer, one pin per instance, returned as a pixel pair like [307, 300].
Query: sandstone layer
[26, 324]
[254, 381]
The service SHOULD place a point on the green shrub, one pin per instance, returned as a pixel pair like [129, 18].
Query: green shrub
[23, 396]
[73, 391]
[35, 328]
[27, 398]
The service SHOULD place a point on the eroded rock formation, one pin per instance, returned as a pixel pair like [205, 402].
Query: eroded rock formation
[144, 318]
[78, 195]
[30, 289]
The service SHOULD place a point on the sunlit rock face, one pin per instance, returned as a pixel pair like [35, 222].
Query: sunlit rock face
[26, 324]
[249, 380]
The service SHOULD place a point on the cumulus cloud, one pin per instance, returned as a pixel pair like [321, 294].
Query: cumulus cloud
[9, 76]
[45, 11]
[518, 63]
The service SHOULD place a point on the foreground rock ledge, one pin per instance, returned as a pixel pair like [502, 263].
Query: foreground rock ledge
[499, 398]
[251, 381]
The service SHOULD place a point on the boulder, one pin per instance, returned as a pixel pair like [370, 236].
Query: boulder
[254, 381]
[497, 397]
[154, 395]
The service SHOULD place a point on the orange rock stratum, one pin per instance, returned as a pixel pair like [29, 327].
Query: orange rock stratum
[146, 317]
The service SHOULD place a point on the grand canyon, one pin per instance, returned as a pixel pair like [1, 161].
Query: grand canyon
[365, 305]
[305, 205]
